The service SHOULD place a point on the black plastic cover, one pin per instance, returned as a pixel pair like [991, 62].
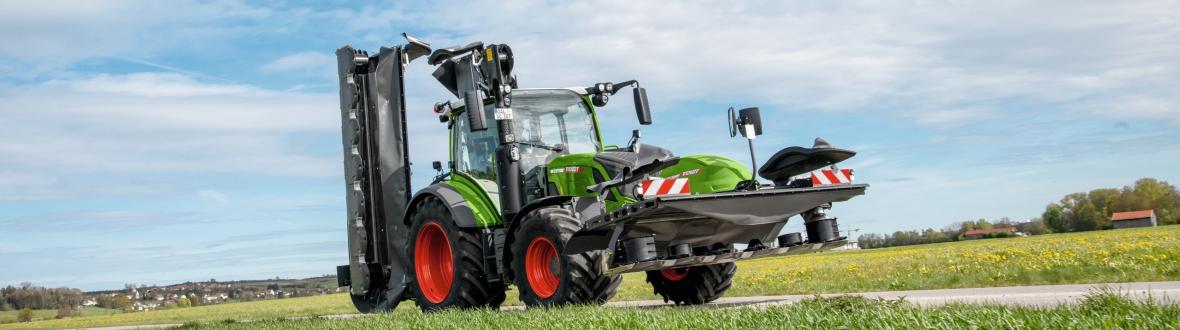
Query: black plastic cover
[377, 176]
[792, 161]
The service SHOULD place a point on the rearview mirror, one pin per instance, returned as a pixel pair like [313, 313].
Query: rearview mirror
[474, 108]
[751, 118]
[641, 109]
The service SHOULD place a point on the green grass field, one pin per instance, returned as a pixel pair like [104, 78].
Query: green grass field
[49, 314]
[1126, 255]
[1099, 311]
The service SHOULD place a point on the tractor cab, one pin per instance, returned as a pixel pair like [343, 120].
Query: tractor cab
[546, 123]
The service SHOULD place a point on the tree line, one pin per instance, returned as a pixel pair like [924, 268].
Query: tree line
[27, 297]
[1082, 211]
[949, 233]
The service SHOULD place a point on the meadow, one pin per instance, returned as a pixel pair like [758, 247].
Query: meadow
[49, 314]
[1124, 255]
[1100, 310]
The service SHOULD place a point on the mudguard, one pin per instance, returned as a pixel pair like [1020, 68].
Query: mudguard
[461, 212]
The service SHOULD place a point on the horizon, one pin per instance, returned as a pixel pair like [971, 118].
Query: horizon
[154, 143]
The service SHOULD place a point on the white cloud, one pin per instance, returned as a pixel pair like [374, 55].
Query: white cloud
[213, 195]
[952, 117]
[916, 60]
[152, 84]
[143, 123]
[301, 62]
[42, 38]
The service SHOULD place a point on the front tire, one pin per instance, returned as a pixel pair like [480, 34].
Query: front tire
[446, 263]
[547, 277]
[692, 285]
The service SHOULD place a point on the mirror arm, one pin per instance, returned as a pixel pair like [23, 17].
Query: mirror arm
[619, 86]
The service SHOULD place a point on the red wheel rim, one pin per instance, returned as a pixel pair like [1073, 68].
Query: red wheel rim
[433, 263]
[674, 274]
[541, 267]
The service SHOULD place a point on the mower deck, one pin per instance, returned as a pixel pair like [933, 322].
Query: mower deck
[706, 221]
[739, 207]
[723, 257]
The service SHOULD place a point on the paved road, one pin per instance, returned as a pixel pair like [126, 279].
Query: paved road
[1042, 295]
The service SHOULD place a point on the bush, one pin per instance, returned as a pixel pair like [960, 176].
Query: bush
[25, 315]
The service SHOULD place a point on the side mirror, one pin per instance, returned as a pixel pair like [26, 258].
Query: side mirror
[437, 165]
[751, 120]
[474, 108]
[641, 109]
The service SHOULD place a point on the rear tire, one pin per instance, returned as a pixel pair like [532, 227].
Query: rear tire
[447, 263]
[547, 277]
[693, 285]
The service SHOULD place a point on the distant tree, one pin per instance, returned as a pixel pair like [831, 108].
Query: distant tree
[123, 302]
[1091, 210]
[64, 312]
[1054, 218]
[25, 315]
[933, 236]
[184, 302]
[983, 224]
[870, 241]
[1156, 195]
[1033, 227]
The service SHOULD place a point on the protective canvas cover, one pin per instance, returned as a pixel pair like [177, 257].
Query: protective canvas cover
[376, 166]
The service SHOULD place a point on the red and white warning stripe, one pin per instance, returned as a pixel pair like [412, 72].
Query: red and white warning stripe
[663, 187]
[830, 177]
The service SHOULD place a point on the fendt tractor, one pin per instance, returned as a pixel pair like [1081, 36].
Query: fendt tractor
[532, 197]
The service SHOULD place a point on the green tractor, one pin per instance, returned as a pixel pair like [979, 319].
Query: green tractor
[533, 198]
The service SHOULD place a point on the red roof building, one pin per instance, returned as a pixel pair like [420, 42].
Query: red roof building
[1144, 218]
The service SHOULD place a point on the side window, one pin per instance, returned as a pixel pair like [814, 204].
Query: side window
[475, 152]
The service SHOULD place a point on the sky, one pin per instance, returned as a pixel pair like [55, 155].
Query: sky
[154, 142]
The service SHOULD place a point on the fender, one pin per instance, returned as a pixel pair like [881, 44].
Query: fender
[460, 211]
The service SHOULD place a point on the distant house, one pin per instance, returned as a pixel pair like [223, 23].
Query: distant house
[1145, 218]
[981, 233]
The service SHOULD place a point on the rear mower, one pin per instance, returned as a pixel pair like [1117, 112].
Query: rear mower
[533, 198]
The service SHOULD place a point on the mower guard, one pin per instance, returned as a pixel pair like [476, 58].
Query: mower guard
[708, 219]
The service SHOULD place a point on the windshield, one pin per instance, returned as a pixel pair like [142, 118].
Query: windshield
[553, 119]
[546, 123]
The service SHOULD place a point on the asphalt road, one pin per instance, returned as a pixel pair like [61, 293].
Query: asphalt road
[1041, 295]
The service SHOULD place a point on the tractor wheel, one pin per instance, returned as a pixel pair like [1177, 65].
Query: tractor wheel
[446, 260]
[547, 277]
[692, 285]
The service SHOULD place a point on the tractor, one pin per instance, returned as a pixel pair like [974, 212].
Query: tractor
[533, 198]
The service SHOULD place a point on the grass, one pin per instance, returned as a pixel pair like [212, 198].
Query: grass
[49, 314]
[254, 310]
[1099, 311]
[1125, 255]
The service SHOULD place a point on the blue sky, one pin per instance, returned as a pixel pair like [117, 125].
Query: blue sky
[157, 142]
